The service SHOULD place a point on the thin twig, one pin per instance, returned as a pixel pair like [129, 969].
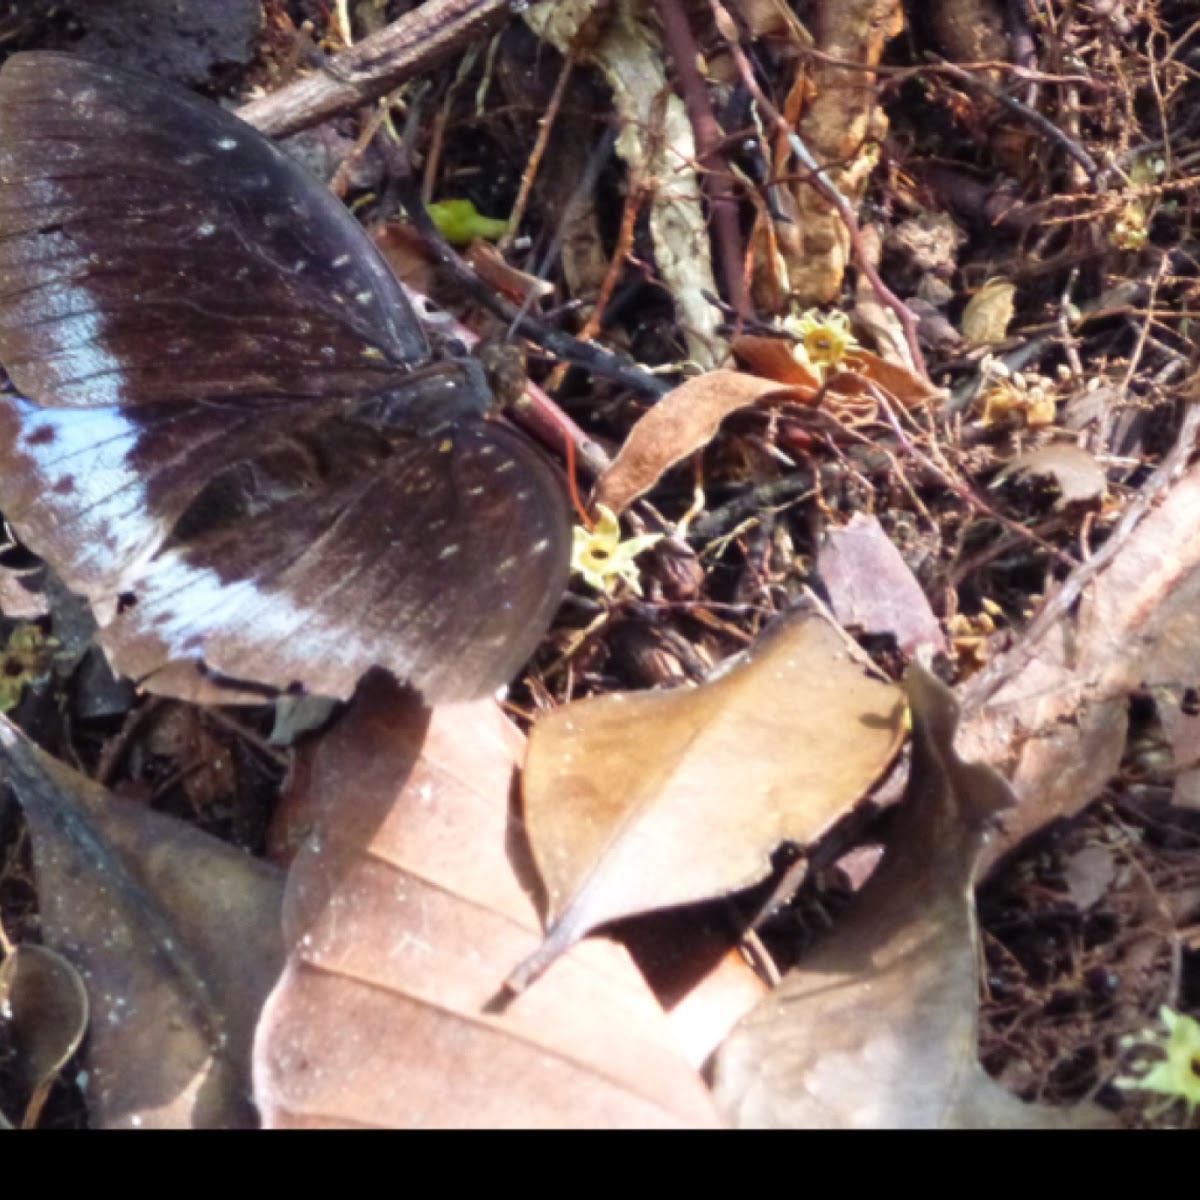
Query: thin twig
[960, 489]
[545, 125]
[821, 181]
[407, 48]
[1029, 115]
[715, 172]
[635, 196]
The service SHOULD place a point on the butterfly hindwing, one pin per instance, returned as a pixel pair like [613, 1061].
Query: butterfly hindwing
[445, 568]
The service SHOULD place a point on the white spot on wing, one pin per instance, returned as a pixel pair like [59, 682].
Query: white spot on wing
[108, 502]
[202, 608]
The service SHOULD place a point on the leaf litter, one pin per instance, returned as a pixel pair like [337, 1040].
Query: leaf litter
[1077, 601]
[174, 934]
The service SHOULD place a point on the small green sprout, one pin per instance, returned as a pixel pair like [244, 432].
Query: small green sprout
[1177, 1074]
[460, 222]
[603, 559]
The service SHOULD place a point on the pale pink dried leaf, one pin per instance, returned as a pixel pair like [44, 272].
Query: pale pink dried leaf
[1088, 873]
[871, 587]
[1080, 478]
[405, 911]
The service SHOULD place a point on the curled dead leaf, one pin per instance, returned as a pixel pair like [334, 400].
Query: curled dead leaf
[175, 935]
[46, 1005]
[682, 422]
[876, 1027]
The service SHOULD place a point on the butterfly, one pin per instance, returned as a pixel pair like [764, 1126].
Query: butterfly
[227, 431]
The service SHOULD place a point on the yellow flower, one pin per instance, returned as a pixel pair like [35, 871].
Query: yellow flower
[821, 341]
[1130, 232]
[603, 559]
[1178, 1074]
[26, 658]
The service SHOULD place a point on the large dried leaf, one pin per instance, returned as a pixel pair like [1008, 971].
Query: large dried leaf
[175, 934]
[682, 422]
[641, 801]
[1056, 727]
[876, 1028]
[404, 912]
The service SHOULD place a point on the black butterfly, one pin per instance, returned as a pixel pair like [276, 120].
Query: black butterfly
[229, 435]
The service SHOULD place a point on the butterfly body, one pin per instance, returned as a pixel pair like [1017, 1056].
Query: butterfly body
[228, 433]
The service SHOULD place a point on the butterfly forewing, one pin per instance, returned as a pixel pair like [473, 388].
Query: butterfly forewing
[184, 311]
[154, 247]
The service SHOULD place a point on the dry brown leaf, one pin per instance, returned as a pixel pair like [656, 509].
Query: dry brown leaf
[1057, 727]
[871, 587]
[405, 911]
[682, 422]
[46, 1007]
[175, 934]
[1079, 476]
[897, 380]
[772, 358]
[646, 800]
[988, 312]
[876, 1027]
